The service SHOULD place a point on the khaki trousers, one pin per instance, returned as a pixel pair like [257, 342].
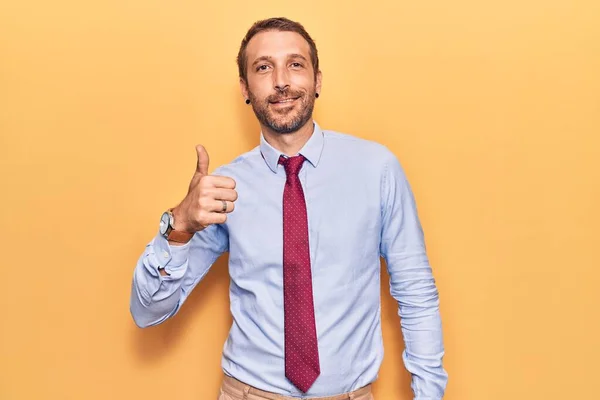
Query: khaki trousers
[232, 389]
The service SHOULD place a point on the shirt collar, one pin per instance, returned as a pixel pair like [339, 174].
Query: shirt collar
[311, 150]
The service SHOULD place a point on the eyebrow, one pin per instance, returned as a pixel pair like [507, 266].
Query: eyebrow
[268, 58]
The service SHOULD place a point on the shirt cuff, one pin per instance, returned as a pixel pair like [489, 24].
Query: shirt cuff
[171, 258]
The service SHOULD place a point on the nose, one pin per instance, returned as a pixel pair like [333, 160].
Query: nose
[281, 79]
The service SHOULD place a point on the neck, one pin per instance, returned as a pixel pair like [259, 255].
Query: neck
[289, 143]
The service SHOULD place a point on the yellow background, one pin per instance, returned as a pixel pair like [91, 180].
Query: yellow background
[492, 107]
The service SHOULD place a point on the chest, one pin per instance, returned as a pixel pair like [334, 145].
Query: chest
[343, 210]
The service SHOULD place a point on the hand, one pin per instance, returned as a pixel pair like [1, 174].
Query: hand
[203, 204]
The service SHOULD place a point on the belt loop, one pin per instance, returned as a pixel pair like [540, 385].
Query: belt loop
[246, 390]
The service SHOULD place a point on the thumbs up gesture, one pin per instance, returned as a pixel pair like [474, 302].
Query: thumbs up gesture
[208, 200]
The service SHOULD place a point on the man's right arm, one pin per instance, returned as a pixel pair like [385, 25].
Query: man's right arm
[156, 296]
[165, 273]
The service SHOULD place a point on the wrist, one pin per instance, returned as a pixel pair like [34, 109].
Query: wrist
[179, 221]
[170, 231]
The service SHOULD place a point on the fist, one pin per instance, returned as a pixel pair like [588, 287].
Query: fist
[208, 201]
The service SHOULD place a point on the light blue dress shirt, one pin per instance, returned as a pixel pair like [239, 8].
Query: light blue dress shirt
[360, 208]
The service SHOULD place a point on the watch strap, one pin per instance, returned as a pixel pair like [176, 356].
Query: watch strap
[179, 236]
[174, 235]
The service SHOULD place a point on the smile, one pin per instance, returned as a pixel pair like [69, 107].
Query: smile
[284, 101]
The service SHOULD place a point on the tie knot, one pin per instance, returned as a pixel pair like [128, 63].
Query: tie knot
[292, 165]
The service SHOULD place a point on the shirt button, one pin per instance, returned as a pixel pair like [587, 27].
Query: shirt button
[165, 254]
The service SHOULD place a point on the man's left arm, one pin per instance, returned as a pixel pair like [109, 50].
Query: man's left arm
[412, 284]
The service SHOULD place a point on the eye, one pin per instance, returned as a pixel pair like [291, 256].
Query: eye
[296, 65]
[262, 68]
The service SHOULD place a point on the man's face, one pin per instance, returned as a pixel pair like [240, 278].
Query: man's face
[281, 80]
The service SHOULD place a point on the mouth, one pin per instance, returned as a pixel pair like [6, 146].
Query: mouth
[287, 101]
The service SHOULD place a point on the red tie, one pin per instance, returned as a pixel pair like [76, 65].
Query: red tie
[301, 351]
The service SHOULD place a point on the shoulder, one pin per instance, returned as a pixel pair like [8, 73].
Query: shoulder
[243, 162]
[367, 150]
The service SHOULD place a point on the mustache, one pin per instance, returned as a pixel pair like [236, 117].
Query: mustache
[287, 94]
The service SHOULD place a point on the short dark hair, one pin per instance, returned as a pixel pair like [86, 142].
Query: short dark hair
[275, 24]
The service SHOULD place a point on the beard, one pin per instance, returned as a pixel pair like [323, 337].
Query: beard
[288, 119]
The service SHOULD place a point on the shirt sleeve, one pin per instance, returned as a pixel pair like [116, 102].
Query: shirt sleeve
[155, 297]
[412, 284]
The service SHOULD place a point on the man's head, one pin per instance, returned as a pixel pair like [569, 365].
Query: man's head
[279, 73]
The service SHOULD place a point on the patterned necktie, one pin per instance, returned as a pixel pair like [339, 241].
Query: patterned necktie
[301, 351]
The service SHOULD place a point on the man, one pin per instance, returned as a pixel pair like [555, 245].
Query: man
[316, 211]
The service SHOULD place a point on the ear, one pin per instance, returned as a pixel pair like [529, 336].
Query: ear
[318, 83]
[244, 88]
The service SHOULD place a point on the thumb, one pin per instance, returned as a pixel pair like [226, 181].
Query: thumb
[202, 166]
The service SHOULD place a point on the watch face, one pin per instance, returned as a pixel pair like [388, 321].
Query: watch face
[164, 223]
